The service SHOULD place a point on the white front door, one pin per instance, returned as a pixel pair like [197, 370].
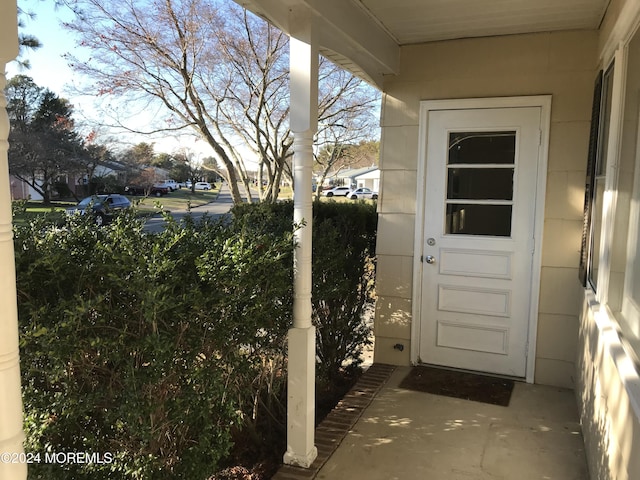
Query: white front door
[478, 238]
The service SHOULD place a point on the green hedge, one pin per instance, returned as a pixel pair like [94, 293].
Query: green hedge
[344, 243]
[160, 349]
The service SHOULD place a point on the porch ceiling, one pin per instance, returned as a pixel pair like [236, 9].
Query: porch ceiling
[419, 21]
[364, 36]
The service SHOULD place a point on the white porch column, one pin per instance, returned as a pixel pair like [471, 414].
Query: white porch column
[301, 450]
[11, 435]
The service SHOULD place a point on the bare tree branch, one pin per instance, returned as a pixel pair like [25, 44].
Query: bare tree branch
[215, 69]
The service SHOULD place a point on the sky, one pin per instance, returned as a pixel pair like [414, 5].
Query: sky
[49, 69]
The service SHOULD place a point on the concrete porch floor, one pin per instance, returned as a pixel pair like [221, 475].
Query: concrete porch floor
[407, 435]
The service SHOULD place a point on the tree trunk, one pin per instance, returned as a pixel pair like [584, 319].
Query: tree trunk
[232, 181]
[275, 186]
[231, 175]
[247, 186]
[259, 181]
[46, 194]
[323, 177]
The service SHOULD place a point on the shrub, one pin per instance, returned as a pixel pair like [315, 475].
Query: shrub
[344, 244]
[148, 347]
[161, 349]
[344, 240]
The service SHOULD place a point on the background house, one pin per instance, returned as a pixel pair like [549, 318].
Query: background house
[104, 177]
[370, 179]
[20, 190]
[352, 177]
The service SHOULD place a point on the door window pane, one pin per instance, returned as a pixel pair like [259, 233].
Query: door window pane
[480, 176]
[480, 184]
[470, 219]
[482, 147]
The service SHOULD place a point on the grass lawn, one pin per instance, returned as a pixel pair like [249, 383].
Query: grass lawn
[178, 200]
[32, 209]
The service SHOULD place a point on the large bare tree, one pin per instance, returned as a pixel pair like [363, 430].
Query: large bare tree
[216, 70]
[257, 107]
[255, 69]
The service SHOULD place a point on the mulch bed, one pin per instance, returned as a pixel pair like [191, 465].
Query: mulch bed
[451, 383]
[251, 460]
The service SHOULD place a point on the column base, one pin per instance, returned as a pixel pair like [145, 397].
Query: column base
[297, 460]
[301, 398]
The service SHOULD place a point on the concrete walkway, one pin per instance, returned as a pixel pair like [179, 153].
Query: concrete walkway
[407, 435]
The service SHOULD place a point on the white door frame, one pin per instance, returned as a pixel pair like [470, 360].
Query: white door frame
[542, 101]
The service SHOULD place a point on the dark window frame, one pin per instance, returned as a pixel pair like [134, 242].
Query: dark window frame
[600, 120]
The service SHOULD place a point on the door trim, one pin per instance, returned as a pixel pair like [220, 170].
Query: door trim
[542, 101]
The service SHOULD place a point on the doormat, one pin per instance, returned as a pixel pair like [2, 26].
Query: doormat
[451, 383]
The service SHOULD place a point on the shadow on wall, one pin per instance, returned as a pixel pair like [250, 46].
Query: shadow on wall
[392, 316]
[593, 398]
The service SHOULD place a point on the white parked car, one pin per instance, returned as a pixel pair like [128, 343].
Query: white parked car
[203, 186]
[170, 185]
[173, 185]
[337, 192]
[363, 192]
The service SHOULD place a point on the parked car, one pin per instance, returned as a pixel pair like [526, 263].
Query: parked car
[102, 207]
[363, 192]
[172, 185]
[203, 186]
[158, 191]
[337, 192]
[140, 190]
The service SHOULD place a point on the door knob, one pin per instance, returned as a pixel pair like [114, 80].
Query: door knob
[430, 259]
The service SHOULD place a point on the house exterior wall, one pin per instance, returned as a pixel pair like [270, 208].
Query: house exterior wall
[19, 189]
[559, 64]
[608, 381]
[610, 420]
[369, 180]
[614, 9]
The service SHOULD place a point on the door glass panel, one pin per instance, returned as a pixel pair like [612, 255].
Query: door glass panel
[482, 147]
[480, 179]
[480, 184]
[471, 219]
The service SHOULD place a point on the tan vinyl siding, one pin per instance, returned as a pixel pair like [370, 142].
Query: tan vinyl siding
[561, 64]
